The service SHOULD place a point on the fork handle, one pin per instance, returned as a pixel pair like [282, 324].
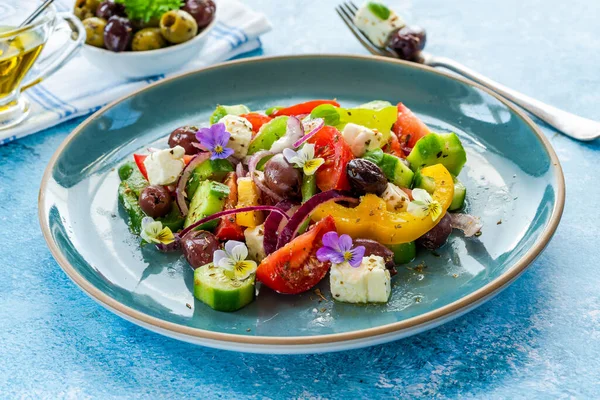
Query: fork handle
[569, 124]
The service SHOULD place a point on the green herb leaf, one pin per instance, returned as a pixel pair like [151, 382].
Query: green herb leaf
[381, 11]
[145, 10]
[328, 112]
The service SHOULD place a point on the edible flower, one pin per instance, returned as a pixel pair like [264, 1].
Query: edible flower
[424, 205]
[233, 260]
[338, 250]
[153, 232]
[215, 140]
[304, 158]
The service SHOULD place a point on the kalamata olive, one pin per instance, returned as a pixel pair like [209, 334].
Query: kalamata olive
[376, 249]
[198, 247]
[117, 34]
[178, 26]
[282, 178]
[203, 11]
[366, 177]
[156, 201]
[408, 42]
[185, 136]
[94, 29]
[436, 237]
[108, 9]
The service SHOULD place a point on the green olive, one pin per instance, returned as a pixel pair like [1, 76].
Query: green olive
[94, 29]
[85, 9]
[148, 39]
[178, 26]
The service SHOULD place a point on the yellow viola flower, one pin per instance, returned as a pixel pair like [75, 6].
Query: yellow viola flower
[304, 158]
[153, 232]
[233, 260]
[424, 205]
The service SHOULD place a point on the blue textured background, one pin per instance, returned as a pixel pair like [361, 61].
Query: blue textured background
[539, 338]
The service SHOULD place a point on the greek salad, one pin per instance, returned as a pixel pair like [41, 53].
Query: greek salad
[285, 196]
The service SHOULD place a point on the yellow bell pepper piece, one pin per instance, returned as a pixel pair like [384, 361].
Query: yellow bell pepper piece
[248, 195]
[371, 219]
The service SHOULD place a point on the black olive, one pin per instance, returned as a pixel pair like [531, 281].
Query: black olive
[185, 137]
[408, 42]
[117, 34]
[198, 247]
[438, 236]
[282, 178]
[366, 177]
[156, 201]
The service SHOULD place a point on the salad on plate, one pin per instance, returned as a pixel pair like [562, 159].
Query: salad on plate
[284, 197]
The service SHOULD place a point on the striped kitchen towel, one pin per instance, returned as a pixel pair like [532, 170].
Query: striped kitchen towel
[80, 89]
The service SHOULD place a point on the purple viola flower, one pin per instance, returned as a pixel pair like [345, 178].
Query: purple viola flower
[215, 139]
[338, 250]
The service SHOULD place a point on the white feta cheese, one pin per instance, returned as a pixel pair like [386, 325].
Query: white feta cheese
[395, 198]
[369, 283]
[165, 166]
[241, 134]
[255, 241]
[376, 29]
[362, 139]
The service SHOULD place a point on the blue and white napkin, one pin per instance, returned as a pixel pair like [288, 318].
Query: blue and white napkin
[79, 88]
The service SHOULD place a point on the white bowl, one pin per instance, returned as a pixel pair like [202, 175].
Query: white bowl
[143, 64]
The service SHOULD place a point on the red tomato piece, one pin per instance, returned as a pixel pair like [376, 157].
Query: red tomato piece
[257, 120]
[331, 146]
[408, 127]
[139, 161]
[294, 268]
[393, 147]
[303, 108]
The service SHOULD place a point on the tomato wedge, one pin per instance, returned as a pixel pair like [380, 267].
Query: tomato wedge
[408, 127]
[303, 108]
[331, 146]
[257, 120]
[294, 268]
[139, 161]
[393, 147]
[228, 229]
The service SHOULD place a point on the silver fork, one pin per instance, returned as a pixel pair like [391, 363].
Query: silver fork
[569, 124]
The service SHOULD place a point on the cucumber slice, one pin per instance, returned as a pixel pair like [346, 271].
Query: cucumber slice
[173, 220]
[393, 168]
[460, 192]
[209, 169]
[208, 199]
[222, 111]
[403, 252]
[424, 182]
[435, 148]
[219, 292]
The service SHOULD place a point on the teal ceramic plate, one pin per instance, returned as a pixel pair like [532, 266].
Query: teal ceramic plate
[513, 178]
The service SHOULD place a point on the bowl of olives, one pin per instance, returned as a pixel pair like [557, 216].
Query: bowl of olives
[136, 39]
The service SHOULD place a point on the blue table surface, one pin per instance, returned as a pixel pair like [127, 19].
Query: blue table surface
[538, 338]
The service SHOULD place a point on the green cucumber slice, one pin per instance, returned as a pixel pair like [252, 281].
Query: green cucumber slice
[403, 252]
[460, 192]
[219, 292]
[209, 169]
[393, 168]
[435, 148]
[208, 200]
[424, 182]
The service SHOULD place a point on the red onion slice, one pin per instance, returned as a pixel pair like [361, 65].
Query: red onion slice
[183, 179]
[239, 170]
[229, 212]
[294, 131]
[257, 176]
[469, 224]
[313, 126]
[289, 232]
[272, 226]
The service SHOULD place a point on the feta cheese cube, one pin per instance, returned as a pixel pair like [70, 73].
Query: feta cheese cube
[370, 282]
[241, 134]
[395, 198]
[376, 29]
[255, 241]
[165, 166]
[362, 139]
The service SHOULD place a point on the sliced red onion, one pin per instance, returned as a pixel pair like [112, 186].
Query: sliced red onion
[199, 146]
[173, 246]
[257, 176]
[291, 229]
[239, 170]
[183, 179]
[312, 126]
[293, 133]
[469, 224]
[229, 212]
[271, 227]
